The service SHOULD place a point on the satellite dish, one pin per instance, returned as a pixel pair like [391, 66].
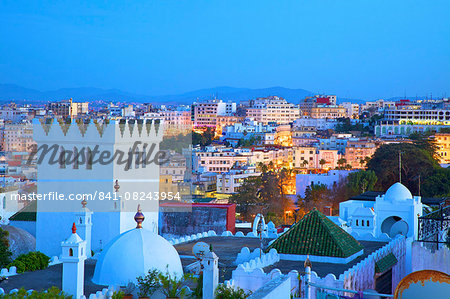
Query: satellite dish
[399, 228]
[200, 249]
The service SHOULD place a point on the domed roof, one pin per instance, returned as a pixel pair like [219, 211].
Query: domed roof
[398, 192]
[132, 254]
[20, 241]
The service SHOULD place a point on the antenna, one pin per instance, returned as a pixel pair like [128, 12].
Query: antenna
[400, 167]
[419, 184]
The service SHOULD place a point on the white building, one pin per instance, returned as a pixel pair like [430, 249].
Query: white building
[317, 123]
[352, 109]
[395, 212]
[230, 182]
[106, 183]
[273, 109]
[204, 113]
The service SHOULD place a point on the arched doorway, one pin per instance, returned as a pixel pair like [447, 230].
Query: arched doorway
[394, 225]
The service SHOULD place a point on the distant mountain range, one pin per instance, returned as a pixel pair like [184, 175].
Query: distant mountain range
[11, 92]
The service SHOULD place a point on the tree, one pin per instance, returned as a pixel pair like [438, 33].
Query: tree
[437, 184]
[305, 163]
[5, 253]
[416, 162]
[263, 194]
[322, 162]
[341, 162]
[246, 199]
[361, 181]
[316, 196]
[203, 139]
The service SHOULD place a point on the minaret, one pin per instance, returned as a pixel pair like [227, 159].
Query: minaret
[308, 266]
[210, 264]
[73, 256]
[84, 226]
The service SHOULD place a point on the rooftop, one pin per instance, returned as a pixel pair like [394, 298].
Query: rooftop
[317, 235]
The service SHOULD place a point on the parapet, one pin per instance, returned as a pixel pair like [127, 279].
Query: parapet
[81, 130]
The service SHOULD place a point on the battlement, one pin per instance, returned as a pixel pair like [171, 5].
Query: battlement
[104, 130]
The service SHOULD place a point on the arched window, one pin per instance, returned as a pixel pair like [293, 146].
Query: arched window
[357, 222]
[368, 223]
[70, 252]
[362, 222]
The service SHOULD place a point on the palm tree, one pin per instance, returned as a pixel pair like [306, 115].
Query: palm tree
[362, 162]
[305, 163]
[341, 162]
[322, 162]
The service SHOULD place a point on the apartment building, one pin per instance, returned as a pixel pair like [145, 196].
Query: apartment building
[351, 110]
[308, 103]
[230, 182]
[313, 158]
[357, 151]
[328, 112]
[204, 114]
[176, 122]
[18, 137]
[272, 110]
[443, 143]
[218, 159]
[68, 108]
[415, 114]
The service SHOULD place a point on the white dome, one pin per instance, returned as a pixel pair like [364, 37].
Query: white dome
[132, 254]
[398, 192]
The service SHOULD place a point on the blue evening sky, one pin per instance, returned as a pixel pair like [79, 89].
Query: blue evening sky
[354, 48]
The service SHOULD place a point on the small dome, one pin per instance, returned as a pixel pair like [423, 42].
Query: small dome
[132, 254]
[398, 192]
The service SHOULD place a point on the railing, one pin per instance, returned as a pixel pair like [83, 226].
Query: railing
[433, 227]
[348, 291]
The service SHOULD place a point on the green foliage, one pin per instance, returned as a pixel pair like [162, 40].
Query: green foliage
[361, 181]
[222, 292]
[203, 139]
[423, 141]
[198, 291]
[172, 287]
[5, 253]
[169, 285]
[53, 293]
[417, 161]
[248, 142]
[344, 126]
[176, 143]
[437, 184]
[31, 261]
[118, 295]
[149, 283]
[263, 194]
[316, 196]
